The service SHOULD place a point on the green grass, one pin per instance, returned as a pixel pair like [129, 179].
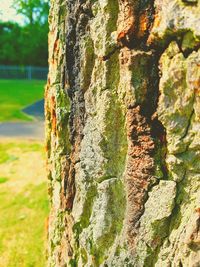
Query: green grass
[3, 180]
[4, 156]
[16, 95]
[24, 204]
[22, 231]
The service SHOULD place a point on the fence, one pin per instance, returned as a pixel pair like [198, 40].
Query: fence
[23, 72]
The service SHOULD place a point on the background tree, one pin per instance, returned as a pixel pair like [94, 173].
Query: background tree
[27, 44]
[123, 156]
[10, 35]
[23, 45]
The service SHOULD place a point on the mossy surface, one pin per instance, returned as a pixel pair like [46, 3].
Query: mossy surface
[137, 101]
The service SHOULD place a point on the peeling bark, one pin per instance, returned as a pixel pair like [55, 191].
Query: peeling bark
[139, 169]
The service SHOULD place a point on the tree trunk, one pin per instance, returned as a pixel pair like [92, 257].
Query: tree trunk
[122, 133]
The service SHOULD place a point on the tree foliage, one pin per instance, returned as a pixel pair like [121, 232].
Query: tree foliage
[27, 44]
[23, 45]
[34, 11]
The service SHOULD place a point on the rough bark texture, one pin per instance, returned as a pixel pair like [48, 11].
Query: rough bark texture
[123, 133]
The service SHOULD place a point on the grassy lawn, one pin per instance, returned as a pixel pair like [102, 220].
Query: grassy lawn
[24, 204]
[17, 94]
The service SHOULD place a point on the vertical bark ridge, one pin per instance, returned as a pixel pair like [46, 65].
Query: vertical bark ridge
[79, 14]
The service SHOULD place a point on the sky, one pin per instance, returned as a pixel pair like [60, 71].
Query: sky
[8, 13]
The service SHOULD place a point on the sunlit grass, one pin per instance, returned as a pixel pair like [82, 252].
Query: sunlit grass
[3, 180]
[16, 95]
[24, 204]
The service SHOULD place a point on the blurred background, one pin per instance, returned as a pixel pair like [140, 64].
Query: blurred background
[23, 187]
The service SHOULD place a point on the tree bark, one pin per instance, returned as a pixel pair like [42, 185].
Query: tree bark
[122, 133]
